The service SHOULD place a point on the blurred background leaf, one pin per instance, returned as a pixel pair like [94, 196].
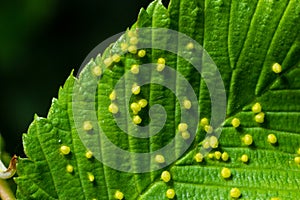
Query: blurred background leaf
[40, 43]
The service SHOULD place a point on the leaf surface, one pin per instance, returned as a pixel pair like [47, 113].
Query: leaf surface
[244, 38]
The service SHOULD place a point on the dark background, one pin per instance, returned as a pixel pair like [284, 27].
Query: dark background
[41, 41]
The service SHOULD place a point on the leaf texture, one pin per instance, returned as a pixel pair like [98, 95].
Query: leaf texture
[244, 38]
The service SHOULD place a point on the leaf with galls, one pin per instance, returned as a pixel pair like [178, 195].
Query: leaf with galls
[255, 45]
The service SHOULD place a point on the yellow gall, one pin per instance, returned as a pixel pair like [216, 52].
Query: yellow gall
[135, 69]
[206, 144]
[235, 193]
[97, 71]
[143, 103]
[108, 61]
[65, 150]
[185, 135]
[272, 139]
[70, 168]
[119, 195]
[89, 154]
[133, 40]
[165, 176]
[199, 157]
[225, 156]
[276, 68]
[116, 58]
[275, 198]
[218, 155]
[256, 108]
[159, 158]
[160, 64]
[160, 67]
[170, 193]
[244, 158]
[182, 127]
[136, 89]
[135, 107]
[161, 61]
[213, 142]
[187, 104]
[141, 53]
[137, 119]
[247, 139]
[235, 122]
[225, 173]
[260, 117]
[124, 47]
[190, 46]
[208, 129]
[113, 108]
[204, 121]
[113, 95]
[210, 155]
[298, 151]
[91, 177]
[87, 126]
[297, 160]
[132, 49]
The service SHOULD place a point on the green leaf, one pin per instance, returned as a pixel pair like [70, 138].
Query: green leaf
[244, 38]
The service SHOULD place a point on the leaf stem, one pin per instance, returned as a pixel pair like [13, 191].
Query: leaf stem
[5, 191]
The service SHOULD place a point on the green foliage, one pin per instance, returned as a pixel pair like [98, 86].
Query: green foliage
[244, 38]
